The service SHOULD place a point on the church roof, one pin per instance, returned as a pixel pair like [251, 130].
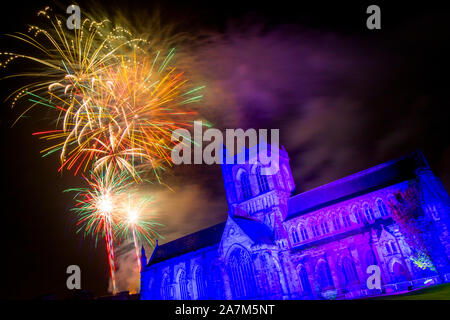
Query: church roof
[369, 180]
[192, 242]
[255, 230]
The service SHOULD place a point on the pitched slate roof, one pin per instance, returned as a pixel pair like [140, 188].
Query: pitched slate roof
[369, 180]
[255, 230]
[194, 241]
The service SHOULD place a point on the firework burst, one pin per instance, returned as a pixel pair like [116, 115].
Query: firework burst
[115, 99]
[95, 206]
[126, 117]
[135, 220]
[66, 60]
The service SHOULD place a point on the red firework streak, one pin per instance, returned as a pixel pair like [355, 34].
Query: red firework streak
[110, 249]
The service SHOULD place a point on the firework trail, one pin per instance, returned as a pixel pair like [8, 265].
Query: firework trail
[95, 207]
[110, 250]
[135, 219]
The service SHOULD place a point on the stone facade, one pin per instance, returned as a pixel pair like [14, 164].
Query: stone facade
[314, 245]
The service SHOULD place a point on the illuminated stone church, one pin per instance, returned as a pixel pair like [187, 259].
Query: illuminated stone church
[313, 245]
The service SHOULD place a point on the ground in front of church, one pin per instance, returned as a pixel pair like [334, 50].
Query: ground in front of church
[439, 292]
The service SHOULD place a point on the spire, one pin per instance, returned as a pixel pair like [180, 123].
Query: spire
[143, 257]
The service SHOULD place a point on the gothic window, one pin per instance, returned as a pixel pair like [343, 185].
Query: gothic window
[324, 226]
[315, 230]
[165, 288]
[336, 223]
[393, 247]
[348, 271]
[241, 272]
[368, 212]
[304, 282]
[262, 181]
[324, 276]
[295, 237]
[388, 248]
[358, 215]
[182, 283]
[382, 208]
[200, 283]
[346, 219]
[245, 186]
[304, 233]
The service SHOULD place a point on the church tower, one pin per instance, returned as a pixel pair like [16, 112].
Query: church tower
[256, 188]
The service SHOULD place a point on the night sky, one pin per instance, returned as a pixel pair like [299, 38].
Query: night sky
[344, 98]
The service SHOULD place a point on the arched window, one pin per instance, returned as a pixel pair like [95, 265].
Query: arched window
[315, 230]
[200, 283]
[304, 282]
[358, 215]
[295, 237]
[324, 227]
[262, 181]
[368, 212]
[348, 271]
[324, 276]
[245, 186]
[241, 272]
[165, 288]
[393, 247]
[304, 233]
[382, 208]
[182, 283]
[346, 219]
[388, 248]
[336, 223]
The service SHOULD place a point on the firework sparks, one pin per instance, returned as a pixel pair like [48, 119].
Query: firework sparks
[115, 99]
[135, 220]
[95, 208]
[68, 59]
[126, 117]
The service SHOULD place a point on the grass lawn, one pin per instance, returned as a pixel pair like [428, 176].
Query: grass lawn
[439, 292]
